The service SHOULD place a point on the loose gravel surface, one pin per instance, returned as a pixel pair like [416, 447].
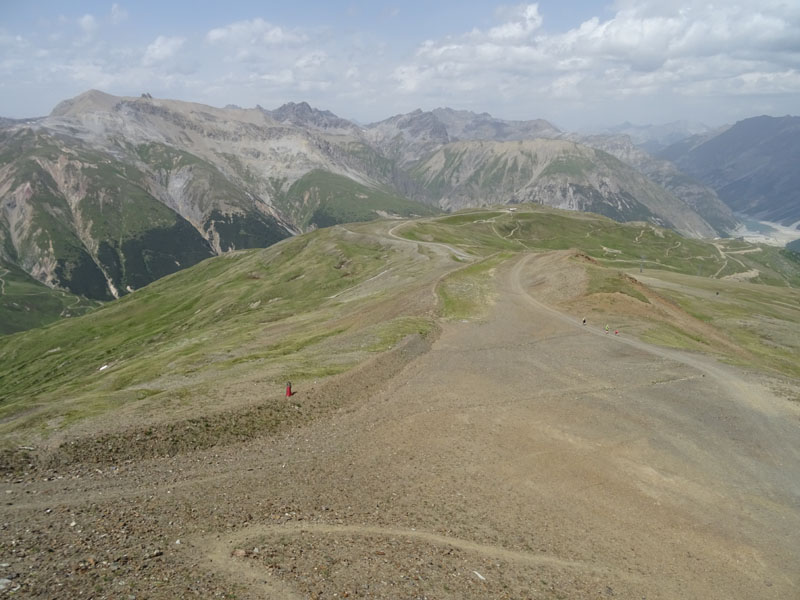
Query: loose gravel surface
[521, 455]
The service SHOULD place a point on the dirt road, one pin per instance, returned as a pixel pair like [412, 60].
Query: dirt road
[522, 456]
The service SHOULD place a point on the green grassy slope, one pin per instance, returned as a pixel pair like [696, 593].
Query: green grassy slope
[271, 314]
[322, 199]
[762, 320]
[25, 303]
[613, 244]
[94, 216]
[232, 327]
[735, 299]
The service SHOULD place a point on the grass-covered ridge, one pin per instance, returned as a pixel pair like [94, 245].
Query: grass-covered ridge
[468, 291]
[287, 312]
[230, 329]
[736, 299]
[322, 199]
[763, 320]
[612, 244]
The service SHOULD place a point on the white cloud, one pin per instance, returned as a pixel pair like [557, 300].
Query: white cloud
[161, 49]
[11, 41]
[281, 77]
[87, 73]
[525, 19]
[88, 23]
[566, 86]
[254, 32]
[352, 74]
[409, 78]
[639, 57]
[118, 14]
[311, 60]
[284, 62]
[647, 49]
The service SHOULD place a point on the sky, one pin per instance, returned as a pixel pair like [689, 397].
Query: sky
[582, 65]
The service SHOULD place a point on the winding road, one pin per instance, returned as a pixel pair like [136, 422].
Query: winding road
[659, 473]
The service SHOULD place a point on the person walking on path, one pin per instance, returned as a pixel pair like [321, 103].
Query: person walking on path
[606, 327]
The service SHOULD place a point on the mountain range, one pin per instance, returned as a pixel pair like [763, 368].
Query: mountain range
[752, 165]
[108, 193]
[654, 138]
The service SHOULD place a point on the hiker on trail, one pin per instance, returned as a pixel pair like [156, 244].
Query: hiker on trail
[606, 327]
[584, 320]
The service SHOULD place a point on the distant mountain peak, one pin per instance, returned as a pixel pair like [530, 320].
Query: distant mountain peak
[218, 179]
[296, 107]
[654, 138]
[423, 131]
[302, 113]
[90, 101]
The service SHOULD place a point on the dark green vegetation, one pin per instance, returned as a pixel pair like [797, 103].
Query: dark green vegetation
[153, 254]
[95, 218]
[25, 303]
[627, 208]
[253, 230]
[322, 199]
[231, 328]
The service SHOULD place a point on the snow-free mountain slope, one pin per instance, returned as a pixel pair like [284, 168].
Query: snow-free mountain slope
[752, 165]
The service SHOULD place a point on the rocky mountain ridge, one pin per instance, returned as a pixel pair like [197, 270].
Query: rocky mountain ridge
[558, 173]
[654, 138]
[409, 137]
[752, 165]
[703, 199]
[108, 193]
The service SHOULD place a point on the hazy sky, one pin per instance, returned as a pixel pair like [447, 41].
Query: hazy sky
[578, 64]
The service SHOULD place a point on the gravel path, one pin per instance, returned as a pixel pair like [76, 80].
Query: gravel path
[519, 456]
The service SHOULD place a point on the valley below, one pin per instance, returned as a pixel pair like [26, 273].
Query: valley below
[506, 450]
[766, 232]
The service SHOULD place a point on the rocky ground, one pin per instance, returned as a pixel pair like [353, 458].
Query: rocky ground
[521, 455]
